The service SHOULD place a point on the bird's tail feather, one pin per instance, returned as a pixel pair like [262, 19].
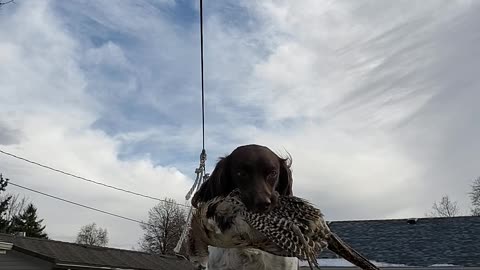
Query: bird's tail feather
[336, 245]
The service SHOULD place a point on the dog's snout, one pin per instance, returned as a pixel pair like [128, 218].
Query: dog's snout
[264, 204]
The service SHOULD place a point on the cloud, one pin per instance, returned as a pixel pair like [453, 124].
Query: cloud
[375, 102]
[45, 92]
[350, 90]
[8, 135]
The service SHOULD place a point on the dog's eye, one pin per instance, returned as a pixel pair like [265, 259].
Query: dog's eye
[272, 174]
[241, 173]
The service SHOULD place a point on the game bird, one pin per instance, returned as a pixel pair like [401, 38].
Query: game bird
[293, 228]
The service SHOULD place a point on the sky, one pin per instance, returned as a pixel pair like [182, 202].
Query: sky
[376, 102]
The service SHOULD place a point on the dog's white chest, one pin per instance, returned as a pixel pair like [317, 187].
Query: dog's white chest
[248, 259]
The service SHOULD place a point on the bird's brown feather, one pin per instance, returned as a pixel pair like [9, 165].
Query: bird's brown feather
[294, 228]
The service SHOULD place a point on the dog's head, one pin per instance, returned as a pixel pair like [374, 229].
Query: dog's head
[259, 173]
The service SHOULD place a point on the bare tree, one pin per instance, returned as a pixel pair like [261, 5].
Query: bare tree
[165, 224]
[445, 208]
[91, 235]
[475, 197]
[16, 205]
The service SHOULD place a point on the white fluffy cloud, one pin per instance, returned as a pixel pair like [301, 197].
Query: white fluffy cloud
[350, 90]
[50, 115]
[374, 101]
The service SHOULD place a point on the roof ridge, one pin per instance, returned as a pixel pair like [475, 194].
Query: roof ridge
[402, 219]
[84, 245]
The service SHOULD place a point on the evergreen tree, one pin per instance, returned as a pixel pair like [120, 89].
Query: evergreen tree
[28, 222]
[4, 222]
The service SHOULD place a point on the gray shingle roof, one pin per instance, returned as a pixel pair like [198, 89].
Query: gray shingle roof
[429, 241]
[70, 253]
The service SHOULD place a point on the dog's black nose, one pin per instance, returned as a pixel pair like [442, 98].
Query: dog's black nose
[263, 205]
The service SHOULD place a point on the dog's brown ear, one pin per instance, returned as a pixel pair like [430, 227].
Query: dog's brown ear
[285, 180]
[217, 184]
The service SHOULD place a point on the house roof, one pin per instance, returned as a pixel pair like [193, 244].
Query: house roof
[76, 254]
[411, 242]
[414, 242]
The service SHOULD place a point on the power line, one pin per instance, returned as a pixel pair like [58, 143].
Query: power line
[122, 189]
[200, 171]
[87, 179]
[79, 204]
[201, 59]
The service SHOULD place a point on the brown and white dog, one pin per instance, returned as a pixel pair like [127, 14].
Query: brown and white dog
[261, 176]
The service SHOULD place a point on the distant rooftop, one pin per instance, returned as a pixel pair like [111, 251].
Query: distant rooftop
[59, 253]
[414, 242]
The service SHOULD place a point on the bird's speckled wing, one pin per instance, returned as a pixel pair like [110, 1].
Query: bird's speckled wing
[225, 222]
[294, 228]
[281, 224]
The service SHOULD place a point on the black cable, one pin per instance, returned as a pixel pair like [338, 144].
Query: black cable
[121, 189]
[88, 180]
[78, 204]
[201, 58]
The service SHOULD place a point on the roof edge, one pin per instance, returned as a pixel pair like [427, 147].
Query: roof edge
[14, 237]
[76, 266]
[402, 219]
[34, 254]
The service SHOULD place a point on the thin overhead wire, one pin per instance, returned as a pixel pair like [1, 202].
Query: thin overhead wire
[122, 189]
[201, 67]
[78, 204]
[88, 180]
[200, 171]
